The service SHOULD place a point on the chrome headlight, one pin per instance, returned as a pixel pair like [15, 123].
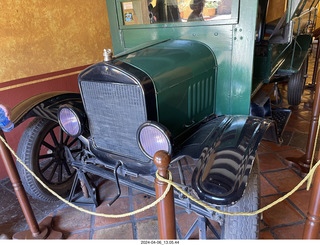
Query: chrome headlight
[70, 120]
[153, 137]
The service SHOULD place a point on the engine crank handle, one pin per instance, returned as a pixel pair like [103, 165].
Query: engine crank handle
[117, 182]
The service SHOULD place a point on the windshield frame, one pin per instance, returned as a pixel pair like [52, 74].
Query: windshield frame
[232, 20]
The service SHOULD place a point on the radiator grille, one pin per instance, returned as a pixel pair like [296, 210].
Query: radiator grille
[115, 112]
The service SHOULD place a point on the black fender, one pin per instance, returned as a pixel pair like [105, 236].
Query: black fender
[44, 105]
[225, 148]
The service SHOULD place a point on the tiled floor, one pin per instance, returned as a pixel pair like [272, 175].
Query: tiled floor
[283, 221]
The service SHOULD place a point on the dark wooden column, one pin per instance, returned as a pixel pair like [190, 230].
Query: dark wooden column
[36, 231]
[165, 208]
[312, 225]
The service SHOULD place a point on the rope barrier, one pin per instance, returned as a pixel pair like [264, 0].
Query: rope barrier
[79, 208]
[170, 183]
[309, 175]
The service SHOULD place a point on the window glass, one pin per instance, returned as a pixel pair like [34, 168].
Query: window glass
[141, 12]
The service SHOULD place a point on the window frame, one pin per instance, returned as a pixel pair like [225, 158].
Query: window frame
[232, 20]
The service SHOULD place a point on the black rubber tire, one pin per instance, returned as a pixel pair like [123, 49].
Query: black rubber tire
[244, 227]
[29, 149]
[296, 85]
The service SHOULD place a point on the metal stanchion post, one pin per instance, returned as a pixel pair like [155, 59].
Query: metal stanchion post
[42, 231]
[166, 211]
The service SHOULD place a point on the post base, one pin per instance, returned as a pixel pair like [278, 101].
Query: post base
[300, 163]
[46, 232]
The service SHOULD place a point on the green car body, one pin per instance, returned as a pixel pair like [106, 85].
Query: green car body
[195, 83]
[184, 77]
[231, 40]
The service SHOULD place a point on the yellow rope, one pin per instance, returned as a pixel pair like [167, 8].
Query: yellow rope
[311, 172]
[81, 209]
[170, 183]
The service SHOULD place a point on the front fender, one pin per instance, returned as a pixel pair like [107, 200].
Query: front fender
[225, 148]
[44, 105]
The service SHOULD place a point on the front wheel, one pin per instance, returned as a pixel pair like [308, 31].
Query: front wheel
[244, 227]
[42, 149]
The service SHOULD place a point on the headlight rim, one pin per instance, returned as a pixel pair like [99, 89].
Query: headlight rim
[159, 127]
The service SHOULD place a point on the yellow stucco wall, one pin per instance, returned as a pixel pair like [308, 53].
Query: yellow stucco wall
[318, 19]
[39, 36]
[276, 8]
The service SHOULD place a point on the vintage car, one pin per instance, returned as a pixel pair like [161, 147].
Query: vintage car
[184, 82]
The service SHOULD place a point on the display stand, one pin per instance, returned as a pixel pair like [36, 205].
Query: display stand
[312, 225]
[165, 208]
[37, 231]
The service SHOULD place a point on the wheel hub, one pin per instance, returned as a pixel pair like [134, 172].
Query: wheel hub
[59, 153]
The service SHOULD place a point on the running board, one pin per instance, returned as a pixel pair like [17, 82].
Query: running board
[261, 107]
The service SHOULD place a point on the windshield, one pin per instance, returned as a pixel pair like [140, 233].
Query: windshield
[141, 12]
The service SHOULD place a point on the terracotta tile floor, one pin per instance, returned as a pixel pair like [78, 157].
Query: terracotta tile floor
[283, 221]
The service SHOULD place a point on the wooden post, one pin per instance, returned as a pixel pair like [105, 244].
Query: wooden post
[165, 208]
[36, 231]
[312, 225]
